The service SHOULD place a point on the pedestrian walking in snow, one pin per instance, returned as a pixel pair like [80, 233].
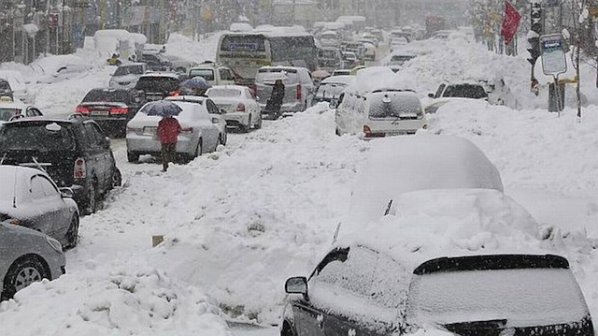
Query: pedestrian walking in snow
[168, 131]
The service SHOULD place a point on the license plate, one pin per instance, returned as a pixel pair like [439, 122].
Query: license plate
[100, 113]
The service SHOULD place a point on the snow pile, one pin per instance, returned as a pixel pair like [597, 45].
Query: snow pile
[184, 47]
[114, 302]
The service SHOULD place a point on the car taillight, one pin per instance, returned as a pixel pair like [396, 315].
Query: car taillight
[369, 134]
[174, 93]
[119, 110]
[241, 107]
[82, 109]
[80, 171]
[299, 93]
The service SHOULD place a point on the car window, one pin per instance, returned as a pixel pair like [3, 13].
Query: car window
[45, 136]
[129, 69]
[384, 105]
[7, 113]
[37, 189]
[212, 108]
[93, 134]
[152, 84]
[225, 74]
[33, 112]
[465, 91]
[207, 74]
[439, 91]
[48, 187]
[106, 95]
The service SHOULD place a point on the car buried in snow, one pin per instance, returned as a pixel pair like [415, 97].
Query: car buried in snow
[29, 198]
[455, 92]
[216, 114]
[27, 256]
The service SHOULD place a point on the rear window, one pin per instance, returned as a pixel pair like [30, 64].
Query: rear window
[465, 91]
[7, 113]
[393, 105]
[519, 296]
[36, 136]
[270, 75]
[106, 96]
[129, 69]
[207, 74]
[399, 59]
[157, 84]
[327, 90]
[224, 93]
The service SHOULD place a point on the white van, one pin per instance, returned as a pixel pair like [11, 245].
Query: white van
[213, 74]
[379, 113]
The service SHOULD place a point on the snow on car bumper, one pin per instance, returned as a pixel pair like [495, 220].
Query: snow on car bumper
[143, 144]
[237, 118]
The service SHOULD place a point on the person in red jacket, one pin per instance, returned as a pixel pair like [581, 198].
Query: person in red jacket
[168, 132]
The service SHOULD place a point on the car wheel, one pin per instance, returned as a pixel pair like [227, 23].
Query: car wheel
[337, 132]
[132, 157]
[288, 330]
[223, 138]
[258, 125]
[23, 273]
[117, 178]
[92, 200]
[72, 235]
[245, 128]
[199, 149]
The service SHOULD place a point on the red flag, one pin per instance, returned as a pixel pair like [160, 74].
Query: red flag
[510, 22]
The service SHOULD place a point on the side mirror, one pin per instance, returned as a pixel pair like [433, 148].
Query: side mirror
[215, 120]
[296, 285]
[106, 142]
[334, 103]
[66, 192]
[431, 95]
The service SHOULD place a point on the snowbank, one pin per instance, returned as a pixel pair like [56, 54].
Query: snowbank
[120, 300]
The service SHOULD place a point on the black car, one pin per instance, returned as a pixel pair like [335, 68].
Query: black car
[356, 290]
[111, 108]
[156, 62]
[5, 89]
[157, 86]
[75, 153]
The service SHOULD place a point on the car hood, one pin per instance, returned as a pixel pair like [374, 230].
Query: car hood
[20, 229]
[125, 78]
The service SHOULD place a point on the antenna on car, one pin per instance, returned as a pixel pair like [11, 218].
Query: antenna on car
[3, 157]
[388, 208]
[335, 236]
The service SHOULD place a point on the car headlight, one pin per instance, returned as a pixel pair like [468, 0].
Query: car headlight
[55, 244]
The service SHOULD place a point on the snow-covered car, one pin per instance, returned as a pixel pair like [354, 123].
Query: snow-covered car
[14, 109]
[451, 92]
[349, 60]
[158, 85]
[331, 88]
[27, 256]
[60, 67]
[299, 87]
[241, 108]
[127, 75]
[216, 113]
[156, 61]
[330, 59]
[380, 113]
[213, 74]
[29, 197]
[199, 134]
[15, 86]
[398, 58]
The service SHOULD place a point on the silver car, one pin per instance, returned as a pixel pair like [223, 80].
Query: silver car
[199, 133]
[29, 198]
[127, 75]
[27, 256]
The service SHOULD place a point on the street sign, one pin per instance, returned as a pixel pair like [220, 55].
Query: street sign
[554, 61]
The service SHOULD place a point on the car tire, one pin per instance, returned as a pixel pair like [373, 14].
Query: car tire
[72, 235]
[288, 330]
[21, 274]
[223, 138]
[258, 125]
[92, 200]
[132, 157]
[117, 178]
[337, 132]
[245, 128]
[198, 149]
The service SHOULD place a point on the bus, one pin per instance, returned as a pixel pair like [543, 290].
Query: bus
[245, 53]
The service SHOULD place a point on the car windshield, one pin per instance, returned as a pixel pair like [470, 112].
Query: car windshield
[224, 93]
[521, 296]
[323, 53]
[129, 69]
[465, 91]
[36, 136]
[106, 96]
[207, 74]
[270, 75]
[6, 113]
[400, 59]
[393, 105]
[157, 84]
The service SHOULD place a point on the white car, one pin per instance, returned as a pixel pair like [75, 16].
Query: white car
[199, 133]
[13, 109]
[242, 110]
[213, 74]
[455, 92]
[379, 113]
[127, 75]
[215, 112]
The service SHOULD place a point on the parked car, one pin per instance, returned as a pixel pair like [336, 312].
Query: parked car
[18, 86]
[111, 108]
[242, 110]
[216, 113]
[350, 60]
[379, 113]
[127, 75]
[75, 153]
[200, 135]
[341, 72]
[331, 88]
[450, 92]
[213, 74]
[5, 89]
[156, 61]
[27, 256]
[29, 197]
[158, 85]
[399, 59]
[299, 87]
[361, 290]
[15, 109]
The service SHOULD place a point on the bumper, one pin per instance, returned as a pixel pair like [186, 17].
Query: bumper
[57, 265]
[237, 118]
[286, 107]
[145, 144]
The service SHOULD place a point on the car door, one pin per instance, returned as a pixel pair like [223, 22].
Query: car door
[209, 130]
[47, 206]
[216, 115]
[63, 212]
[97, 156]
